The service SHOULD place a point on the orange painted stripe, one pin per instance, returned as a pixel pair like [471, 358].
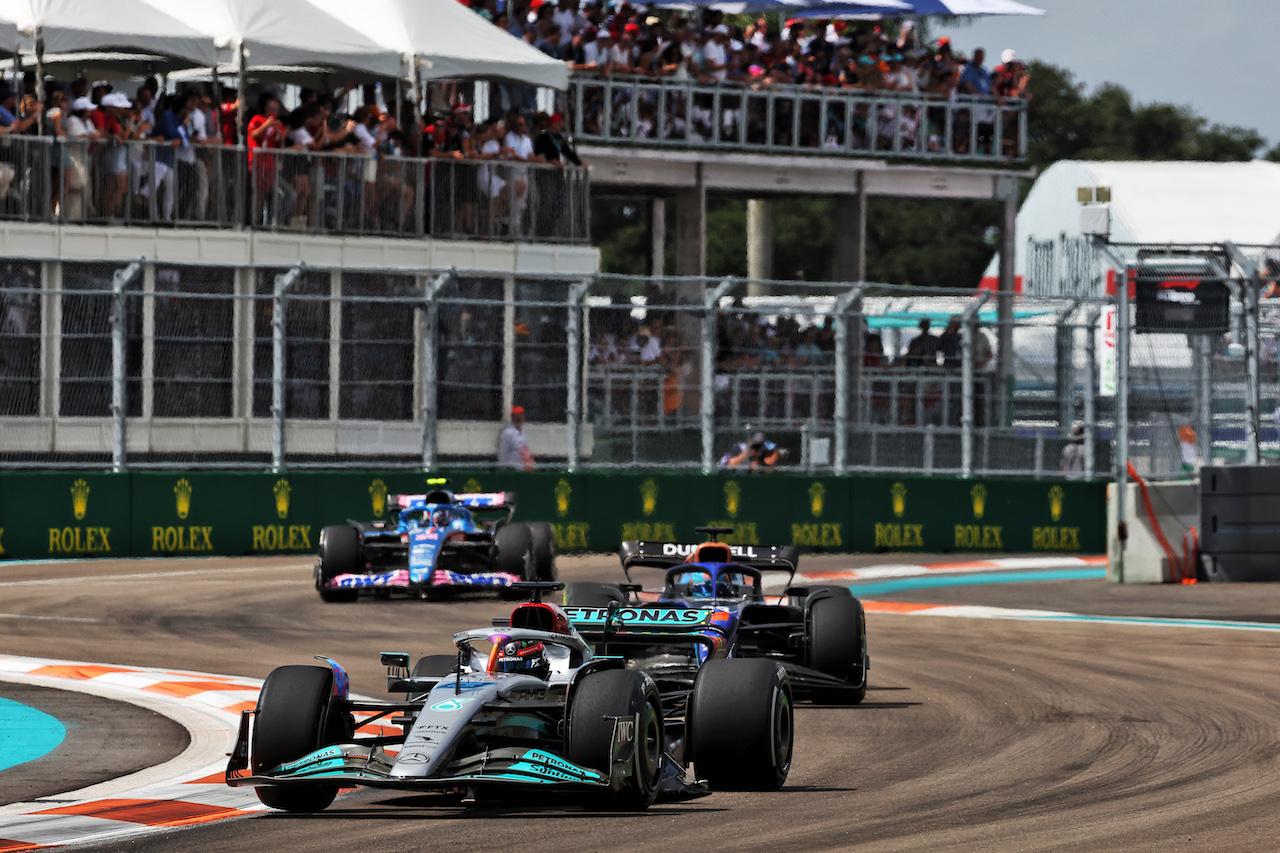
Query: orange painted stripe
[183, 689]
[6, 845]
[219, 778]
[377, 730]
[146, 812]
[897, 606]
[80, 673]
[1095, 561]
[963, 565]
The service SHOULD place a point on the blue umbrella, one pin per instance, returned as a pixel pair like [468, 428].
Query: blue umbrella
[919, 9]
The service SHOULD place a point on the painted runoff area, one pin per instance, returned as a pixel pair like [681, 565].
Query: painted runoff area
[26, 733]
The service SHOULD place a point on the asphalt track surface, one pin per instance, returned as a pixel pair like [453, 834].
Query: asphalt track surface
[976, 734]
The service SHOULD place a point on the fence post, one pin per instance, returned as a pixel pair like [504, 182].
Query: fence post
[1122, 417]
[850, 299]
[707, 379]
[431, 367]
[284, 281]
[119, 401]
[574, 376]
[1090, 389]
[966, 381]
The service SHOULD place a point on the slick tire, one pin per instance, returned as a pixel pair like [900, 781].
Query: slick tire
[599, 698]
[514, 555]
[837, 640]
[339, 555]
[581, 594]
[544, 551]
[435, 666]
[295, 718]
[741, 725]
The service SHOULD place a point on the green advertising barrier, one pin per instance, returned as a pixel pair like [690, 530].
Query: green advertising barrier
[72, 514]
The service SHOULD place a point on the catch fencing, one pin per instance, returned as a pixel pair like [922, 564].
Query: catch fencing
[136, 365]
[82, 181]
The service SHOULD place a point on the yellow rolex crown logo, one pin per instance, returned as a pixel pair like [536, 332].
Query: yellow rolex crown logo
[378, 494]
[732, 498]
[649, 496]
[281, 490]
[182, 491]
[898, 491]
[979, 494]
[79, 498]
[817, 497]
[472, 485]
[563, 492]
[1056, 498]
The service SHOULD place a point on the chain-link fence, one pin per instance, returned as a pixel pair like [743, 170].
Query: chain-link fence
[136, 364]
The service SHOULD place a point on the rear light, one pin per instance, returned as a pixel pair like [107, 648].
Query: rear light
[404, 538]
[456, 536]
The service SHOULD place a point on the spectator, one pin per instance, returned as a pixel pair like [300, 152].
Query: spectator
[171, 128]
[1073, 463]
[521, 148]
[644, 347]
[756, 454]
[266, 133]
[949, 344]
[513, 449]
[9, 120]
[923, 349]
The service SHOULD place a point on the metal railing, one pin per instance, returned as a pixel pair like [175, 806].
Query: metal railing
[825, 121]
[105, 182]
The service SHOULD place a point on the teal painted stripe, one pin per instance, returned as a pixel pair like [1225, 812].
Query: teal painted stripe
[935, 581]
[26, 734]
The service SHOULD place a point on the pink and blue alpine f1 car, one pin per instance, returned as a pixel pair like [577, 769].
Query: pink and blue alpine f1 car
[431, 544]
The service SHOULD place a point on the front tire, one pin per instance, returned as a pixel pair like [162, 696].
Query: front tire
[597, 699]
[544, 551]
[514, 555]
[339, 555]
[295, 718]
[742, 725]
[837, 640]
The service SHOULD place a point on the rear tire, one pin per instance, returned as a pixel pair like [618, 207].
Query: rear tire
[339, 555]
[837, 638]
[514, 551]
[618, 693]
[580, 594]
[742, 725]
[544, 551]
[294, 719]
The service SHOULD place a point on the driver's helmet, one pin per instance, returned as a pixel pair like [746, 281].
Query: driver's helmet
[440, 518]
[526, 656]
[697, 584]
[730, 584]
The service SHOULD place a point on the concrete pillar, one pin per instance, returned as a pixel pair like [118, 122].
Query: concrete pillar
[851, 236]
[691, 229]
[1007, 193]
[657, 236]
[759, 240]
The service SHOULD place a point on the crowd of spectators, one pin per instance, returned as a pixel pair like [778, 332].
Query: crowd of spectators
[106, 171]
[704, 47]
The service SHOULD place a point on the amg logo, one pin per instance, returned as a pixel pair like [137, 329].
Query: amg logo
[685, 549]
[527, 694]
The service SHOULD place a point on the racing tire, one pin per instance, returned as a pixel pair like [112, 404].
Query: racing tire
[339, 555]
[741, 725]
[295, 718]
[435, 666]
[580, 594]
[514, 544]
[544, 551]
[837, 640]
[598, 698]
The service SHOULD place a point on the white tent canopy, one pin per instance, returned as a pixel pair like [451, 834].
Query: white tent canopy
[448, 40]
[282, 32]
[119, 25]
[1154, 202]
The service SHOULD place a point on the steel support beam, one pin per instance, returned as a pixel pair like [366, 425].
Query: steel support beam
[431, 367]
[119, 381]
[284, 282]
